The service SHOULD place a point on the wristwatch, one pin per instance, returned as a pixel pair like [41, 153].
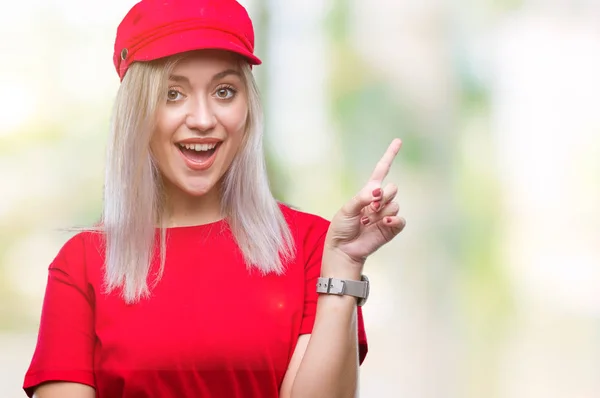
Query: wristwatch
[344, 287]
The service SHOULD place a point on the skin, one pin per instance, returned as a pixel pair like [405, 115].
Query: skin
[324, 363]
[206, 99]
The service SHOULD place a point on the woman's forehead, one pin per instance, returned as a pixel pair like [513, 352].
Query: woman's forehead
[206, 64]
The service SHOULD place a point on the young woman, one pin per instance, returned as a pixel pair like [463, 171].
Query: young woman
[197, 282]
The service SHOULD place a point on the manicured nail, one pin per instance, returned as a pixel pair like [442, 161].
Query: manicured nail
[377, 192]
[388, 220]
[376, 205]
[364, 220]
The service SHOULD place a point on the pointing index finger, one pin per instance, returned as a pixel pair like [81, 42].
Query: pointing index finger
[385, 163]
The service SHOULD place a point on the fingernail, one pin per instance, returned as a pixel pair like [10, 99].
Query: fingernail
[364, 220]
[376, 205]
[388, 220]
[377, 192]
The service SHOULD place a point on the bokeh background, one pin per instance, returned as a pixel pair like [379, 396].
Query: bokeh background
[493, 289]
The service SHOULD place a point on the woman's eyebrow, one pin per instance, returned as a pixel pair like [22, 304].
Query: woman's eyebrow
[226, 73]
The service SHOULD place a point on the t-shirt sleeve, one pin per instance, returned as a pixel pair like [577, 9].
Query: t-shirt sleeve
[313, 249]
[65, 344]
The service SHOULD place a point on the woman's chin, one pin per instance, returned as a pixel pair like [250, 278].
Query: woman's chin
[197, 191]
[184, 186]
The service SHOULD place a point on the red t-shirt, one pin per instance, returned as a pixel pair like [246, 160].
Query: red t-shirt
[210, 329]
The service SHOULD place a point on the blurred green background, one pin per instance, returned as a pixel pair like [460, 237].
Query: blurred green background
[493, 289]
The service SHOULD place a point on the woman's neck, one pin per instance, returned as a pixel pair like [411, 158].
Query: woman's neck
[183, 210]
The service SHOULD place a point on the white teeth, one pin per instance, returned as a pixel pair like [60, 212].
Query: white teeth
[199, 147]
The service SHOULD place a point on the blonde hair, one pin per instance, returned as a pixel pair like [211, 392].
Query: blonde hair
[133, 198]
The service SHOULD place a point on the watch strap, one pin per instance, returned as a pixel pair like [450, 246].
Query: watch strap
[358, 289]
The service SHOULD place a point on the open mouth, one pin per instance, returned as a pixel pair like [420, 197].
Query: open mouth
[199, 156]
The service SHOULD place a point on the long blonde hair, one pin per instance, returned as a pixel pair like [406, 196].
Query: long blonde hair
[133, 195]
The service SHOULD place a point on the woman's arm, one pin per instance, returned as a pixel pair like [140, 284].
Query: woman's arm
[61, 389]
[325, 363]
[63, 361]
[329, 365]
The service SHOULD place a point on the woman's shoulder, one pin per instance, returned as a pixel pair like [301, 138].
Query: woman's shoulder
[81, 248]
[84, 240]
[302, 221]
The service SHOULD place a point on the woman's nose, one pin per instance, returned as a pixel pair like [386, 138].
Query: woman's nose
[201, 115]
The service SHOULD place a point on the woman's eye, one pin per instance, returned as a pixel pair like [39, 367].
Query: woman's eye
[225, 93]
[173, 95]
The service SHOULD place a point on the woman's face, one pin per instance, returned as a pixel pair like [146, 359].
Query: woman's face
[200, 126]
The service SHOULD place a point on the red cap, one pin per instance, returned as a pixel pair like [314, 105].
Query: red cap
[155, 29]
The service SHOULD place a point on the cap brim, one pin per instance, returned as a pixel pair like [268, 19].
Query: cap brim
[198, 39]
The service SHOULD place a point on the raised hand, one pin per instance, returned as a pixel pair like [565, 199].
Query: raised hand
[370, 219]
